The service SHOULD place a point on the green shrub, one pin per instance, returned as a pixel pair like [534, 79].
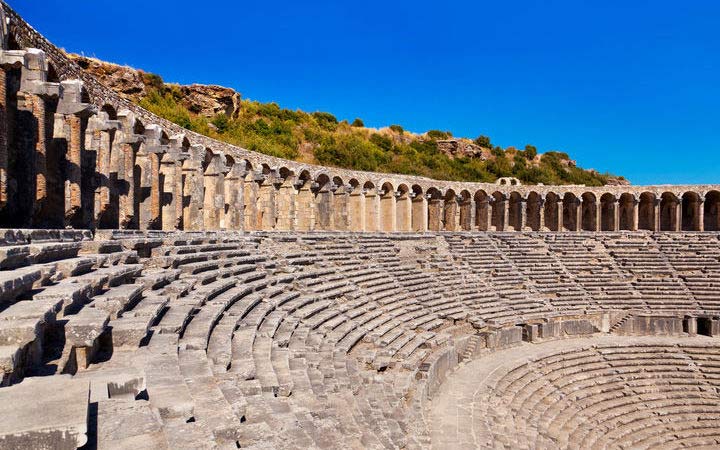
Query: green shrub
[437, 134]
[483, 141]
[397, 128]
[358, 122]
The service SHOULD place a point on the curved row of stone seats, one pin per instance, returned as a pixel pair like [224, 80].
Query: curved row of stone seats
[604, 393]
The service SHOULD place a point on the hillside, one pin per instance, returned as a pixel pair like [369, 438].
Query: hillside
[320, 138]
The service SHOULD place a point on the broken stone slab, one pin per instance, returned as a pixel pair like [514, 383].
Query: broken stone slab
[44, 412]
[118, 298]
[128, 424]
[18, 281]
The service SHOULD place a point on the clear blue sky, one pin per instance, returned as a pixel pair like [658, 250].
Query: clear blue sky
[631, 87]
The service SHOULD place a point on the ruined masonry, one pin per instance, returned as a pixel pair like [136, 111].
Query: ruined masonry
[162, 290]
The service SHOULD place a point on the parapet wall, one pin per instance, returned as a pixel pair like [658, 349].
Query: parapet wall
[73, 153]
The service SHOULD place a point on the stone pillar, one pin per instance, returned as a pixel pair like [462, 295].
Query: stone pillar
[324, 208]
[616, 215]
[250, 193]
[560, 220]
[213, 198]
[193, 190]
[372, 210]
[678, 214]
[388, 212]
[635, 215]
[656, 214]
[435, 211]
[701, 214]
[506, 214]
[356, 213]
[168, 188]
[473, 215]
[578, 214]
[523, 214]
[234, 197]
[598, 215]
[541, 212]
[305, 207]
[286, 205]
[419, 214]
[340, 209]
[490, 214]
[266, 204]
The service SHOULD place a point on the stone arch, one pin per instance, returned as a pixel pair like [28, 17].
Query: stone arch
[646, 212]
[483, 210]
[628, 212]
[712, 211]
[534, 211]
[435, 209]
[571, 208]
[589, 212]
[553, 212]
[669, 212]
[403, 208]
[419, 209]
[450, 211]
[608, 212]
[691, 212]
[388, 220]
[515, 211]
[499, 211]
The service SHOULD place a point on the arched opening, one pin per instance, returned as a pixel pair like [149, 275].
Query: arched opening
[534, 211]
[646, 212]
[570, 212]
[515, 212]
[669, 204]
[403, 209]
[450, 211]
[589, 212]
[628, 212]
[419, 209]
[482, 210]
[372, 207]
[712, 211]
[323, 202]
[465, 206]
[691, 212]
[435, 209]
[388, 220]
[608, 205]
[499, 214]
[553, 212]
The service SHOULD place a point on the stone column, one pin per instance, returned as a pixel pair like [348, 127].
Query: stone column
[678, 214]
[286, 216]
[635, 215]
[340, 209]
[435, 212]
[506, 214]
[598, 215]
[168, 188]
[657, 202]
[250, 193]
[560, 219]
[473, 214]
[419, 215]
[213, 198]
[616, 215]
[234, 197]
[489, 213]
[356, 213]
[266, 203]
[388, 212]
[324, 208]
[305, 207]
[372, 210]
[523, 214]
[193, 190]
[578, 214]
[541, 212]
[701, 214]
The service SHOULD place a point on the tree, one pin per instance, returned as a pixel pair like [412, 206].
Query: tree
[483, 141]
[530, 152]
[358, 122]
[397, 128]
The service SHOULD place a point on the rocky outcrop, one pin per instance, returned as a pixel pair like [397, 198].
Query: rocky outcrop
[133, 84]
[210, 100]
[460, 148]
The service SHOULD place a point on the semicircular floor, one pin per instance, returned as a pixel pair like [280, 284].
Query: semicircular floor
[592, 393]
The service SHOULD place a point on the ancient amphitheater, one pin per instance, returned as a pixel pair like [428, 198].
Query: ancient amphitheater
[159, 289]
